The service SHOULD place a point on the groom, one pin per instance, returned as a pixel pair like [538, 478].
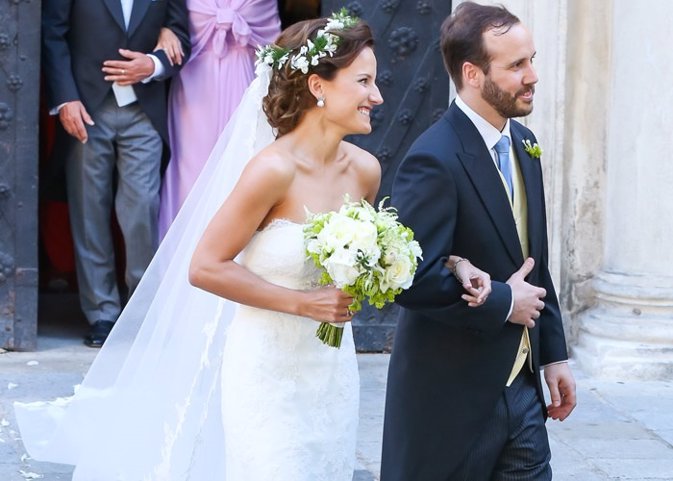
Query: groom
[464, 399]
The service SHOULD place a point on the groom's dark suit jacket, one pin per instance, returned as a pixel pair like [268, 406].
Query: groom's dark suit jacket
[79, 35]
[450, 362]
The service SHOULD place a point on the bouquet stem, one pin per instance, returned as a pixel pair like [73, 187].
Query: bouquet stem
[330, 334]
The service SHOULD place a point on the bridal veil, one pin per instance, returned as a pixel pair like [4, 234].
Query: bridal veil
[149, 407]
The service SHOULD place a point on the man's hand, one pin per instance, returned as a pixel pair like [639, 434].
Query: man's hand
[562, 390]
[73, 116]
[527, 297]
[128, 72]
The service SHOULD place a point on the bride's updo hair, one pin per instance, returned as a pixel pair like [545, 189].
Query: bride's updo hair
[289, 97]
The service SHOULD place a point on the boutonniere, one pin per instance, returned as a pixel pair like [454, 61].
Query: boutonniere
[534, 150]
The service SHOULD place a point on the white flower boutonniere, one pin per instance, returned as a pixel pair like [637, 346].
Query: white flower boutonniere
[534, 150]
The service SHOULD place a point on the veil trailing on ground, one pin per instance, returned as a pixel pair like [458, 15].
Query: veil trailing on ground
[149, 407]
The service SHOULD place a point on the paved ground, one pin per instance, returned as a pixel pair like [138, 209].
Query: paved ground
[620, 431]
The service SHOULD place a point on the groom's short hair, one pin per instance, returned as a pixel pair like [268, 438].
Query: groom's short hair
[462, 39]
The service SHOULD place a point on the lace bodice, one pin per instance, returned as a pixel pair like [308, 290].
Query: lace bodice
[277, 255]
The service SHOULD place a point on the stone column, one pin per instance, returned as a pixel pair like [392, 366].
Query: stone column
[628, 333]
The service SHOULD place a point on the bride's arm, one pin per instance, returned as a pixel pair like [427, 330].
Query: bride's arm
[262, 185]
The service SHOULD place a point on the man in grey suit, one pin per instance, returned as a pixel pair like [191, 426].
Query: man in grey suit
[110, 97]
[464, 399]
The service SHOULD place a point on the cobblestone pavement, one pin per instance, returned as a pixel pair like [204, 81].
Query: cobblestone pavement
[621, 430]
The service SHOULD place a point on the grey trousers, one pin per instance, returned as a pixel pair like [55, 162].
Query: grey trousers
[514, 446]
[124, 145]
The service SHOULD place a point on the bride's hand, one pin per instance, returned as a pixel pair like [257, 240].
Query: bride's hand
[326, 304]
[476, 282]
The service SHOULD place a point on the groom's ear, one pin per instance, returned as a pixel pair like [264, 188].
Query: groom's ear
[315, 86]
[472, 75]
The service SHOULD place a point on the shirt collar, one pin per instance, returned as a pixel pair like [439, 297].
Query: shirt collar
[490, 134]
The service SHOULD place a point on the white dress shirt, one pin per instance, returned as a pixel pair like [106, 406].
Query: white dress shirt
[490, 134]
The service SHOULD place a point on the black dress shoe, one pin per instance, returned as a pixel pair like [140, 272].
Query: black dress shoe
[98, 334]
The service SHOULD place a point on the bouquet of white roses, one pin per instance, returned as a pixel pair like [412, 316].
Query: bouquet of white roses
[366, 253]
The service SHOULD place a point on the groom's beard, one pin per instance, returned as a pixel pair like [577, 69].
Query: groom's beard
[504, 103]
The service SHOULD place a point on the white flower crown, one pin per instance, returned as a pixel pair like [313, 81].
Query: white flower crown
[324, 44]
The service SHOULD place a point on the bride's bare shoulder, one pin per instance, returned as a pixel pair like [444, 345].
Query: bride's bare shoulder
[272, 162]
[366, 164]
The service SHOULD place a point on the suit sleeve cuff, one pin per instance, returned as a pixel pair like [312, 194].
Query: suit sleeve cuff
[57, 109]
[565, 361]
[511, 307]
[158, 69]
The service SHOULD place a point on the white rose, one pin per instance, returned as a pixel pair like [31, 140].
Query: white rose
[338, 232]
[397, 275]
[342, 268]
[365, 236]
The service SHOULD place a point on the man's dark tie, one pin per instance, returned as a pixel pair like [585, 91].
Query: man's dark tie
[504, 163]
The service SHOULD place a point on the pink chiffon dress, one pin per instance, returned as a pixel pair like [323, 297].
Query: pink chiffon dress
[224, 35]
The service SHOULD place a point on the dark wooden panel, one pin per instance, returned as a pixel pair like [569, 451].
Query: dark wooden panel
[19, 85]
[415, 88]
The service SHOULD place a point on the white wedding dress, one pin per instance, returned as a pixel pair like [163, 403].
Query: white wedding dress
[290, 403]
[190, 386]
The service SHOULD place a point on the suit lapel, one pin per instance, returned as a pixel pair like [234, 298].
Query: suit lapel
[139, 10]
[484, 175]
[115, 8]
[532, 180]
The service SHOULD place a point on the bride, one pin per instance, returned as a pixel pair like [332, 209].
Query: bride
[235, 386]
[290, 403]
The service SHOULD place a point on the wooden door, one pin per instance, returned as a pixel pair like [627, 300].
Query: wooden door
[19, 85]
[415, 88]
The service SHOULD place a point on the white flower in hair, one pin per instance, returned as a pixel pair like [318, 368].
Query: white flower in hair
[309, 55]
[332, 44]
[334, 24]
[300, 62]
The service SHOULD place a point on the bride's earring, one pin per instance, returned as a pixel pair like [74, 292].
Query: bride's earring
[321, 102]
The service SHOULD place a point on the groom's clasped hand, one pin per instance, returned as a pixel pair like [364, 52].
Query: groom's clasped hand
[527, 298]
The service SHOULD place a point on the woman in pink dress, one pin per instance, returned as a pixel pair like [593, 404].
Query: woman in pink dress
[224, 35]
